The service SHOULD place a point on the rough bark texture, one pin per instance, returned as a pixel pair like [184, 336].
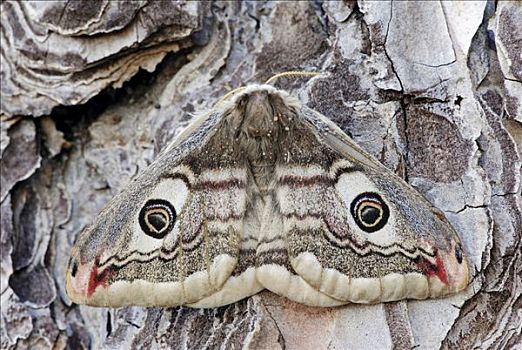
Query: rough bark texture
[92, 90]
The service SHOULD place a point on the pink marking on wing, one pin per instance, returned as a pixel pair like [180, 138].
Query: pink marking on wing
[97, 279]
[436, 269]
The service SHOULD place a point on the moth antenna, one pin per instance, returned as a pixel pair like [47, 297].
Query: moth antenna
[228, 94]
[292, 74]
[272, 79]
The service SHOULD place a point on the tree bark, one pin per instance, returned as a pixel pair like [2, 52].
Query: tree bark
[91, 91]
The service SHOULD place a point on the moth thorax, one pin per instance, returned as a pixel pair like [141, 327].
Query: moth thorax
[260, 133]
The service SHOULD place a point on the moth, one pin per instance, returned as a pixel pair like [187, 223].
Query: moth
[264, 192]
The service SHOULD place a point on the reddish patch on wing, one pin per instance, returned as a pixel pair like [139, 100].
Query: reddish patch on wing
[430, 269]
[98, 278]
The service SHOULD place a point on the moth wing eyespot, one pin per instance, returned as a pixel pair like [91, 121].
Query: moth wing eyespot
[157, 218]
[369, 211]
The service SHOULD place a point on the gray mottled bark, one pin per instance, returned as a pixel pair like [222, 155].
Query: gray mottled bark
[92, 90]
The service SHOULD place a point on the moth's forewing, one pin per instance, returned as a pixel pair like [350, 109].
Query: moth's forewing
[172, 235]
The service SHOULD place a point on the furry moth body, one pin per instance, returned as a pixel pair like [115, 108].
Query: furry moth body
[263, 192]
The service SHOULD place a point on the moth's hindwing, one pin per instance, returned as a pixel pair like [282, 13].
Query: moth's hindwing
[274, 270]
[172, 236]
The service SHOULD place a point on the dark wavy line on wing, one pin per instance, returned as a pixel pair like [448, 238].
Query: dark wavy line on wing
[277, 256]
[349, 242]
[115, 261]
